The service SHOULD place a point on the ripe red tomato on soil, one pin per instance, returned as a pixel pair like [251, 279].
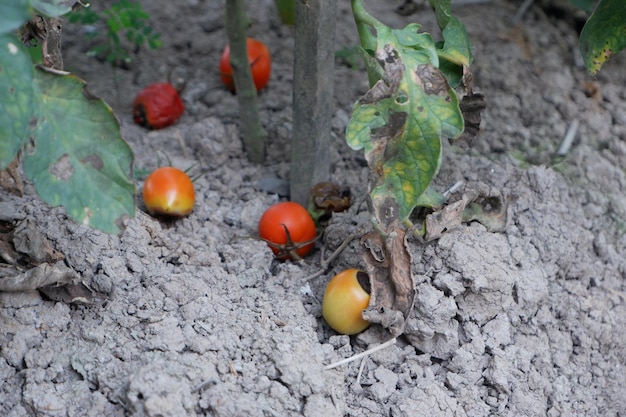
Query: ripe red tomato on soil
[345, 298]
[169, 191]
[157, 106]
[286, 227]
[260, 64]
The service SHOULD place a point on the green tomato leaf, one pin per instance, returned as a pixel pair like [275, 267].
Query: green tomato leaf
[604, 34]
[401, 120]
[16, 97]
[457, 47]
[53, 8]
[13, 14]
[76, 156]
[442, 10]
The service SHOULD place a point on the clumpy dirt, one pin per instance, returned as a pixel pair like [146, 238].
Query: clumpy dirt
[197, 318]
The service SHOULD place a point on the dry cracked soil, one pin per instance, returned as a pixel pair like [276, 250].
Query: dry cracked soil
[198, 319]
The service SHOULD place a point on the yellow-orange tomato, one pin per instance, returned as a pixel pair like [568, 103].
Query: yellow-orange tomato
[169, 191]
[344, 301]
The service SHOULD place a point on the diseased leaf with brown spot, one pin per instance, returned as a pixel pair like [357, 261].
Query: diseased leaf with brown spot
[388, 264]
[76, 156]
[604, 34]
[400, 122]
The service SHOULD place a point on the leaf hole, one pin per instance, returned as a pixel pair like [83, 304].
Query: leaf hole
[402, 98]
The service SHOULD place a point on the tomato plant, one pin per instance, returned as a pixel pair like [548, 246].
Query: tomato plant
[346, 296]
[169, 191]
[260, 64]
[157, 106]
[288, 229]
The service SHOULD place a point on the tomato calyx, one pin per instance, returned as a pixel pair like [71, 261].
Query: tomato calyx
[289, 249]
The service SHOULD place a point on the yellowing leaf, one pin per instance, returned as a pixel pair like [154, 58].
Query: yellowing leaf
[604, 34]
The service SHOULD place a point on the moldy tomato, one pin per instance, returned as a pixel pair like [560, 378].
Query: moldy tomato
[169, 191]
[346, 296]
[288, 229]
[157, 106]
[260, 64]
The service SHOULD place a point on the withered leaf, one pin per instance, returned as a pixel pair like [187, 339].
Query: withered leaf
[388, 264]
[472, 106]
[441, 221]
[72, 293]
[481, 204]
[13, 279]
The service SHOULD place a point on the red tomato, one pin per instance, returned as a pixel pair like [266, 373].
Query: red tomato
[169, 191]
[157, 106]
[260, 64]
[294, 218]
[344, 301]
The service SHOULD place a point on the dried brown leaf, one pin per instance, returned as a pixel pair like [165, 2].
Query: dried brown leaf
[388, 264]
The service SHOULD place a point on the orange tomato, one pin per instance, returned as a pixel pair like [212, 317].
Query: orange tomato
[260, 64]
[169, 191]
[291, 217]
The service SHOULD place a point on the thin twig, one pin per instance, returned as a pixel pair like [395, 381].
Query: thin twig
[362, 354]
[204, 384]
[358, 376]
[453, 189]
[341, 248]
[521, 11]
[326, 262]
[568, 139]
[181, 142]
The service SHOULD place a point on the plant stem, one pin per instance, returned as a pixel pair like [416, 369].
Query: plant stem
[364, 23]
[253, 135]
[314, 59]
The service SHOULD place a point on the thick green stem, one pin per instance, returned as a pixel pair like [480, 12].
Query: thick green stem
[253, 135]
[365, 22]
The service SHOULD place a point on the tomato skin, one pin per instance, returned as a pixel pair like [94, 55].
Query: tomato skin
[260, 65]
[157, 106]
[344, 301]
[297, 220]
[169, 191]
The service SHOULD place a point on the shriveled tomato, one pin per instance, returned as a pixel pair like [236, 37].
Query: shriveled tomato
[346, 296]
[288, 229]
[157, 106]
[169, 191]
[260, 64]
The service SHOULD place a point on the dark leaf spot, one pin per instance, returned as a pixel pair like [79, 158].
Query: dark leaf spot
[62, 168]
[432, 80]
[94, 160]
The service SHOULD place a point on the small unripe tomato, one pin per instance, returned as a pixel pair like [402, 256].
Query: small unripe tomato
[260, 64]
[286, 227]
[346, 296]
[157, 106]
[169, 191]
